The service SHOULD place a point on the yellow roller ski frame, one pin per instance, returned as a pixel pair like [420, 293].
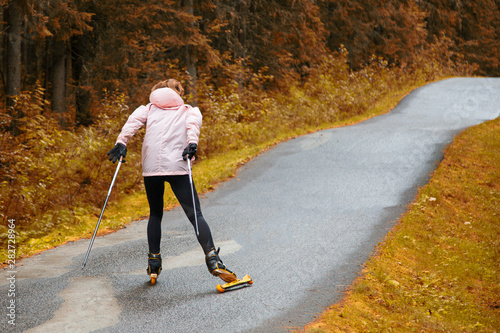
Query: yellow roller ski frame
[246, 281]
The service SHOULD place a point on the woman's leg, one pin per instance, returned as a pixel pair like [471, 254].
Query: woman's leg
[182, 190]
[155, 187]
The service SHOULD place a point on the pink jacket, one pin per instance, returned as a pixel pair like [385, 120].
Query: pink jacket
[170, 126]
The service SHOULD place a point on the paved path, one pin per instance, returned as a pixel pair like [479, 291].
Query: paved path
[301, 219]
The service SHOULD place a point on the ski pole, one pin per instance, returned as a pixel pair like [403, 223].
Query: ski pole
[192, 193]
[102, 212]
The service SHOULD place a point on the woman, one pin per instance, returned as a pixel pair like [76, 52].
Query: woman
[172, 134]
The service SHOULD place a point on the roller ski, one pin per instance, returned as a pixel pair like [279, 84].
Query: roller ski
[237, 284]
[217, 268]
[154, 266]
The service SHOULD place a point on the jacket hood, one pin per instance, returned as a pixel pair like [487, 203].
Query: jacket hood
[165, 98]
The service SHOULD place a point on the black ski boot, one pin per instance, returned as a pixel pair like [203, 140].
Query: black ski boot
[154, 266]
[217, 268]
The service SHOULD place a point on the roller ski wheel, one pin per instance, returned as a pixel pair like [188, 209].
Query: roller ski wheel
[154, 266]
[246, 281]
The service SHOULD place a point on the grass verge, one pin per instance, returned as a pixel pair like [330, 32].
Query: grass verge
[438, 269]
[207, 174]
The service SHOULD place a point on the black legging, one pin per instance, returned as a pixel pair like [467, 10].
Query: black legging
[155, 187]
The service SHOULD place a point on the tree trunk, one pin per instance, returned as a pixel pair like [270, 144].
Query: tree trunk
[83, 102]
[58, 79]
[13, 16]
[191, 62]
[191, 69]
[83, 96]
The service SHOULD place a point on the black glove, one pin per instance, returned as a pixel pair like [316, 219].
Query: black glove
[189, 151]
[118, 150]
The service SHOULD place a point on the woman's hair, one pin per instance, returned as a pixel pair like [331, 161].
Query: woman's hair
[170, 83]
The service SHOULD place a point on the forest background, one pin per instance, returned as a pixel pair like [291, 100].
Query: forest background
[260, 71]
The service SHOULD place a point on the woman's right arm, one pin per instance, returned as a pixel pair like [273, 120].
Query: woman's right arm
[194, 120]
[135, 121]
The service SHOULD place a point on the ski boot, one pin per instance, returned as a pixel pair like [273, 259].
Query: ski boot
[154, 266]
[217, 268]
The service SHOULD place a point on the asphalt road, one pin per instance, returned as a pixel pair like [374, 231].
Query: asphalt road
[301, 219]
